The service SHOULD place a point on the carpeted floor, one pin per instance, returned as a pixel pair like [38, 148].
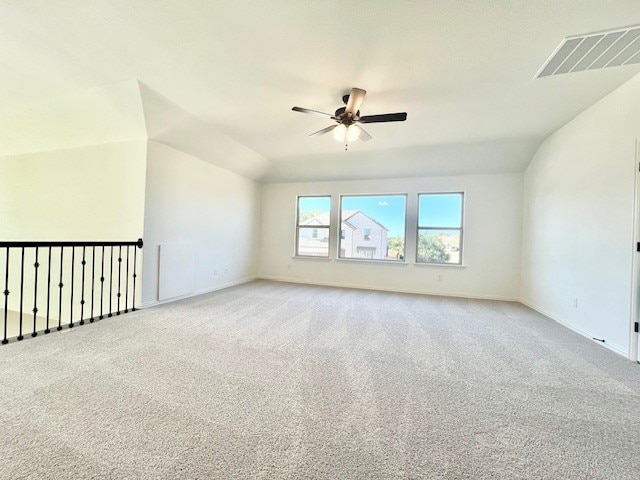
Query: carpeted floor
[272, 380]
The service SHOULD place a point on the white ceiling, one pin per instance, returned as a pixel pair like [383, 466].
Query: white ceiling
[463, 70]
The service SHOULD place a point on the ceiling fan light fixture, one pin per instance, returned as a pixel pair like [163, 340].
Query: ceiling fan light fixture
[353, 133]
[340, 133]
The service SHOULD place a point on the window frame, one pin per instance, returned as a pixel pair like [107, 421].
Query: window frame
[298, 226]
[372, 260]
[460, 229]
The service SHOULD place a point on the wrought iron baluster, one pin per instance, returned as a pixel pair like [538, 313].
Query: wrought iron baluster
[35, 296]
[102, 285]
[46, 330]
[133, 296]
[119, 274]
[84, 263]
[73, 267]
[20, 337]
[6, 297]
[111, 285]
[126, 288]
[60, 285]
[93, 279]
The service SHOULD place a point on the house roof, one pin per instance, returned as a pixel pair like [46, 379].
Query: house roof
[352, 213]
[323, 219]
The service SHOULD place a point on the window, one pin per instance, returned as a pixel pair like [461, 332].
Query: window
[440, 228]
[312, 226]
[372, 227]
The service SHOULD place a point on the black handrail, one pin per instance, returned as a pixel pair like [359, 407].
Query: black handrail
[66, 296]
[138, 243]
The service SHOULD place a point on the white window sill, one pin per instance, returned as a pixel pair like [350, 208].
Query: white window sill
[443, 265]
[371, 262]
[310, 257]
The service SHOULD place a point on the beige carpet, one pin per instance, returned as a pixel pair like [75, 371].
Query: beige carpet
[272, 380]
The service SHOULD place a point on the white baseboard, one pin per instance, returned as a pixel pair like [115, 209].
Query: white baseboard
[387, 289]
[611, 346]
[200, 292]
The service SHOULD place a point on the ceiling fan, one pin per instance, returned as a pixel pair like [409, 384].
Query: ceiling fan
[348, 119]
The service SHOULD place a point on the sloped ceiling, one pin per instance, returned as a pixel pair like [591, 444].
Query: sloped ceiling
[110, 113]
[463, 70]
[122, 112]
[168, 123]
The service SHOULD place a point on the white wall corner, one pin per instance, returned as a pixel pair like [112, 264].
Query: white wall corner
[619, 349]
[168, 123]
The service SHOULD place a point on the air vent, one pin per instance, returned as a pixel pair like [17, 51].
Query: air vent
[593, 51]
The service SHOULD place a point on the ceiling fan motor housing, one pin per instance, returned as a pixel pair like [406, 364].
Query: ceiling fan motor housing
[343, 117]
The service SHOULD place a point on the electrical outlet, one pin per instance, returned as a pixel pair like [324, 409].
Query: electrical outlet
[215, 272]
[289, 266]
[575, 303]
[439, 278]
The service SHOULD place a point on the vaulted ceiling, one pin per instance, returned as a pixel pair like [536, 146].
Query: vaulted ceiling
[463, 70]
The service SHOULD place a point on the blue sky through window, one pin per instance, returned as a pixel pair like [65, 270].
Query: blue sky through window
[389, 210]
[314, 204]
[440, 210]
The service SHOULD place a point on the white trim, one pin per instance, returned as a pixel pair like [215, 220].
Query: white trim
[311, 257]
[634, 355]
[357, 286]
[438, 265]
[370, 261]
[585, 333]
[203, 291]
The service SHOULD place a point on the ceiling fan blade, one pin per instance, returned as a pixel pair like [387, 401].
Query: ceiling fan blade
[313, 112]
[364, 135]
[385, 117]
[323, 131]
[355, 100]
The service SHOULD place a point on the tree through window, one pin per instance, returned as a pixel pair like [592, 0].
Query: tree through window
[440, 228]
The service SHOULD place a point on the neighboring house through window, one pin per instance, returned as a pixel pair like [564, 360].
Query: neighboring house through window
[372, 227]
[312, 226]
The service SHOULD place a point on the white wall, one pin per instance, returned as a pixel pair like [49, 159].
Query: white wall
[87, 193]
[578, 220]
[492, 238]
[190, 201]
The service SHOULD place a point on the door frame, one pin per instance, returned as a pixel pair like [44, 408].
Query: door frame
[634, 337]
